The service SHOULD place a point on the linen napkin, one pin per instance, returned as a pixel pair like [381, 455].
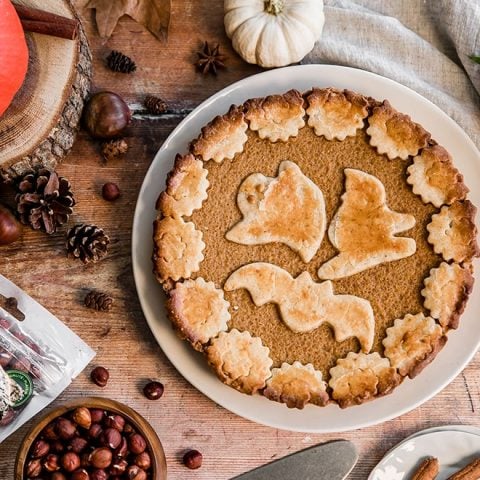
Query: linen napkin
[423, 44]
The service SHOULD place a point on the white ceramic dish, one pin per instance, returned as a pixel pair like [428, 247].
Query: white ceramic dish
[462, 344]
[453, 448]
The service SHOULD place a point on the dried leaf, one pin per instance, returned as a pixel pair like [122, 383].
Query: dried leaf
[153, 14]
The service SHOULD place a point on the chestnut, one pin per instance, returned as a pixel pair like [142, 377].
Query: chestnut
[40, 448]
[70, 461]
[106, 115]
[64, 428]
[153, 390]
[10, 228]
[193, 459]
[111, 438]
[33, 468]
[134, 472]
[82, 417]
[101, 457]
[136, 443]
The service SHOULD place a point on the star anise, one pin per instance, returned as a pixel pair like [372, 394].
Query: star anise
[210, 59]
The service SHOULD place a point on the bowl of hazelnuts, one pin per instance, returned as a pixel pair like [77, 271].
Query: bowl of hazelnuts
[91, 439]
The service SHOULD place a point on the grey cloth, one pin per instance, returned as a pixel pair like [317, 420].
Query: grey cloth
[423, 44]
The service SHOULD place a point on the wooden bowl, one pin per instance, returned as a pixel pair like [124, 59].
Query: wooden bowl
[159, 464]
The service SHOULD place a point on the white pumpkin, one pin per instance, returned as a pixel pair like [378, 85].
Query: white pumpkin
[273, 33]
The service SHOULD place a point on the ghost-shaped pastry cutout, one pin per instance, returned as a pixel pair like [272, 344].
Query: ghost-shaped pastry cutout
[363, 229]
[305, 305]
[289, 209]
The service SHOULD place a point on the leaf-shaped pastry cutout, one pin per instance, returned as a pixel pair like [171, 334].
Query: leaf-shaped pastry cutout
[305, 305]
[289, 209]
[364, 228]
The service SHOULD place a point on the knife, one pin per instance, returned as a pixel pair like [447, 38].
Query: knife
[327, 461]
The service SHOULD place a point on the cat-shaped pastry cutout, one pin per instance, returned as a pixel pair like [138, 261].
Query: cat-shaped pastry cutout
[288, 208]
[305, 305]
[363, 229]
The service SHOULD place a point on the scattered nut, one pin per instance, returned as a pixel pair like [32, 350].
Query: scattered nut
[110, 191]
[193, 459]
[153, 390]
[10, 228]
[137, 443]
[100, 376]
[40, 448]
[101, 457]
[34, 468]
[70, 461]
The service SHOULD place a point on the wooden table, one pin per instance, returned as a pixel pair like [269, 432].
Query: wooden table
[183, 418]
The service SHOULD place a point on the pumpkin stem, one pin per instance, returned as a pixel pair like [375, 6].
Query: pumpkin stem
[274, 6]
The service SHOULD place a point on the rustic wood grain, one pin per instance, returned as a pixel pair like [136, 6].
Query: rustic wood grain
[183, 418]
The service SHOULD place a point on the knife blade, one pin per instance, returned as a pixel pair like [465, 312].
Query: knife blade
[327, 461]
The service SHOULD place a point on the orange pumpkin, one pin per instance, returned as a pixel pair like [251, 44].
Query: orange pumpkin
[13, 54]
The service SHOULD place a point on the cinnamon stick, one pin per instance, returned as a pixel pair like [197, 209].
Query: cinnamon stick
[39, 21]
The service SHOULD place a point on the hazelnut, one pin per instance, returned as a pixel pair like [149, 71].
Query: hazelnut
[118, 466]
[57, 446]
[49, 432]
[70, 461]
[100, 376]
[40, 448]
[128, 429]
[115, 421]
[193, 459]
[58, 476]
[5, 357]
[110, 191]
[143, 460]
[34, 468]
[134, 472]
[10, 229]
[81, 474]
[99, 475]
[7, 417]
[78, 444]
[122, 449]
[101, 457]
[85, 460]
[82, 417]
[136, 443]
[64, 428]
[96, 415]
[111, 437]
[153, 390]
[50, 464]
[95, 430]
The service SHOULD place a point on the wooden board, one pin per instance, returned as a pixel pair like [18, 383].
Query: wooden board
[39, 126]
[183, 418]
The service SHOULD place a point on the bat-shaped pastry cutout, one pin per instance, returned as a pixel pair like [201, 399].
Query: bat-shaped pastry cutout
[288, 208]
[364, 228]
[305, 305]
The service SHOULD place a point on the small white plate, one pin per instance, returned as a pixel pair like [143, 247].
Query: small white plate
[454, 450]
[462, 343]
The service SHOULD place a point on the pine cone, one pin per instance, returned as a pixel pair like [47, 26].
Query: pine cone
[44, 200]
[155, 105]
[118, 62]
[87, 242]
[114, 148]
[98, 301]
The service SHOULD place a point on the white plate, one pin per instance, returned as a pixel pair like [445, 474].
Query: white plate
[454, 450]
[462, 344]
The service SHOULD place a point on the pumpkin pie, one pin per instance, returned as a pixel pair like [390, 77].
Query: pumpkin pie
[316, 248]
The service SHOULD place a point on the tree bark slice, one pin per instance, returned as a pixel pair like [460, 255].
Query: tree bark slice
[40, 136]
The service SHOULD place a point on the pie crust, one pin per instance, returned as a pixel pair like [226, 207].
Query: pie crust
[316, 247]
